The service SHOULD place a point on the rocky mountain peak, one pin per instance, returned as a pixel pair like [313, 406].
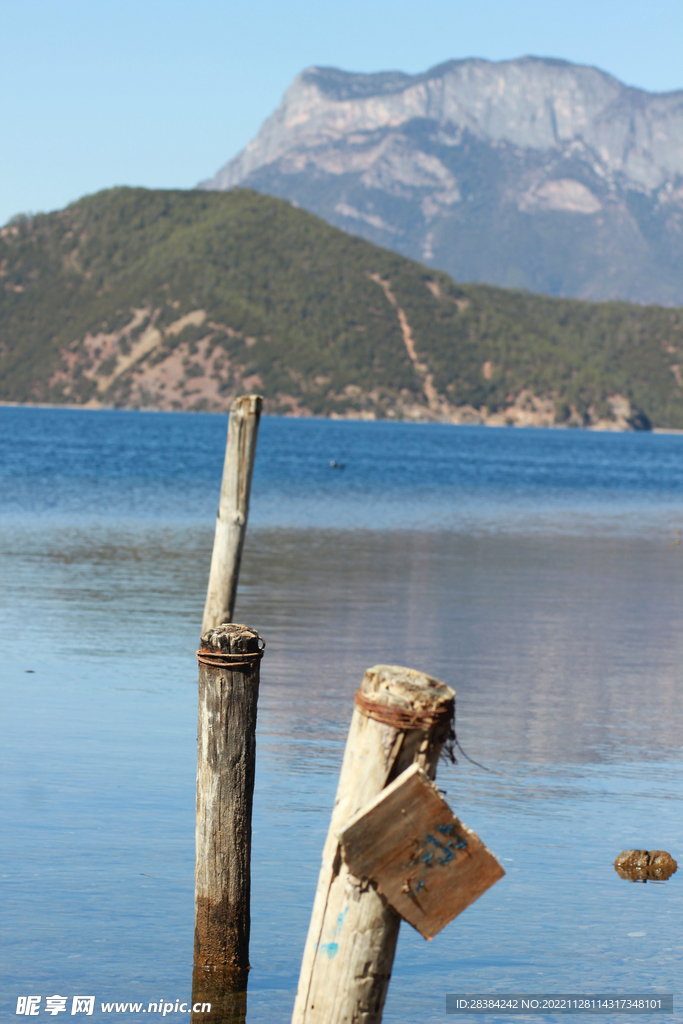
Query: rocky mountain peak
[542, 153]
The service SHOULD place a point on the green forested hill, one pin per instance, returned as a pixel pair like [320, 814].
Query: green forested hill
[180, 300]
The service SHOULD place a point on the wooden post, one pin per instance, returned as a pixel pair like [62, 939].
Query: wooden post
[401, 717]
[233, 510]
[229, 659]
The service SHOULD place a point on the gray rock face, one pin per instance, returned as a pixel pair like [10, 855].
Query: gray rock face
[527, 173]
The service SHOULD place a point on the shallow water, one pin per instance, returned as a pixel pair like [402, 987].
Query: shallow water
[538, 572]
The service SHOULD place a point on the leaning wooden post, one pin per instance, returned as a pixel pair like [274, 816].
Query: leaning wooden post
[233, 510]
[400, 717]
[229, 659]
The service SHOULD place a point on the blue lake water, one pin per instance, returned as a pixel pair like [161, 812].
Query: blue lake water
[538, 572]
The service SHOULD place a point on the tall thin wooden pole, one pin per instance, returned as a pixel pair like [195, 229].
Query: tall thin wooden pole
[229, 659]
[401, 716]
[233, 510]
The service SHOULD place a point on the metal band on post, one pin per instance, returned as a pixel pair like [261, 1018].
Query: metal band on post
[405, 718]
[220, 659]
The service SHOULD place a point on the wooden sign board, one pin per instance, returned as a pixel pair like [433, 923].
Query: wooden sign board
[426, 863]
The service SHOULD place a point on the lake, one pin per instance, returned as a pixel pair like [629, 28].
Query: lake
[538, 572]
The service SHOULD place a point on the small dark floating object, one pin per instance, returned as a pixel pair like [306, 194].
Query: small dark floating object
[645, 865]
[337, 465]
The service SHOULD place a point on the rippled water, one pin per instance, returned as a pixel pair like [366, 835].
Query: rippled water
[538, 572]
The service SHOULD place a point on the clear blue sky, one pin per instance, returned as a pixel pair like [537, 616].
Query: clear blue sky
[161, 93]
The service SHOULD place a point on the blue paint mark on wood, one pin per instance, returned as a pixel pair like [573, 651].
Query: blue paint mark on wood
[460, 845]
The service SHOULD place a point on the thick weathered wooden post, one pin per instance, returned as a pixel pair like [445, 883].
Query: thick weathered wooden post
[400, 717]
[229, 659]
[233, 510]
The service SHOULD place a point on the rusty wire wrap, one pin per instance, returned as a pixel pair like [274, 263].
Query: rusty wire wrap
[221, 659]
[403, 718]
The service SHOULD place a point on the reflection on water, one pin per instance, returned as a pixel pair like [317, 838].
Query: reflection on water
[223, 992]
[564, 647]
[645, 866]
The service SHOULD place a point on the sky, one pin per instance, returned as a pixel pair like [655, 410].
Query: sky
[161, 93]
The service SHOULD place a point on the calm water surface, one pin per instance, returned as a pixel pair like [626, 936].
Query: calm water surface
[538, 572]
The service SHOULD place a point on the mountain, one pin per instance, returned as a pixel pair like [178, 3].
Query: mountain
[181, 300]
[529, 173]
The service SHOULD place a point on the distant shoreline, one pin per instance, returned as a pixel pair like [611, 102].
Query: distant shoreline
[339, 419]
[328, 325]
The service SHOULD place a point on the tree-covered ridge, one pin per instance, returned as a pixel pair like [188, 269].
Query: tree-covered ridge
[170, 299]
